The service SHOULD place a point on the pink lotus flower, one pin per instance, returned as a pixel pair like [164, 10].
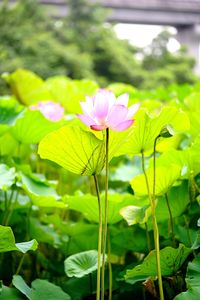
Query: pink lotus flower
[105, 111]
[50, 110]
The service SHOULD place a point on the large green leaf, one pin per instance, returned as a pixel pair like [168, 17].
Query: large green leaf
[40, 192]
[59, 88]
[10, 112]
[71, 284]
[7, 177]
[74, 149]
[178, 198]
[78, 236]
[192, 102]
[8, 145]
[46, 233]
[21, 285]
[146, 129]
[187, 159]
[172, 142]
[119, 88]
[32, 127]
[88, 205]
[171, 260]
[194, 122]
[188, 237]
[134, 214]
[193, 109]
[27, 246]
[193, 273]
[70, 92]
[44, 290]
[125, 239]
[116, 140]
[165, 178]
[41, 289]
[192, 281]
[7, 239]
[28, 87]
[9, 294]
[191, 294]
[81, 264]
[7, 242]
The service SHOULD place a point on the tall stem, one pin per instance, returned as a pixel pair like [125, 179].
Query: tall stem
[155, 225]
[149, 195]
[20, 264]
[152, 201]
[6, 200]
[171, 220]
[7, 203]
[105, 217]
[110, 268]
[148, 237]
[146, 178]
[99, 240]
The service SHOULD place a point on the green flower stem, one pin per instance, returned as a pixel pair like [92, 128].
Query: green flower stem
[149, 195]
[8, 208]
[188, 230]
[109, 268]
[171, 219]
[145, 176]
[99, 240]
[148, 237]
[90, 283]
[155, 225]
[105, 217]
[20, 264]
[6, 200]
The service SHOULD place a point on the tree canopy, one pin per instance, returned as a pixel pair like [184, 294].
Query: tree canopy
[83, 45]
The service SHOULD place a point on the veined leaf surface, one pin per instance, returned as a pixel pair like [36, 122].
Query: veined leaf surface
[146, 129]
[74, 149]
[165, 178]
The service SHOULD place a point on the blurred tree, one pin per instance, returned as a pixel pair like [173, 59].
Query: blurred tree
[83, 45]
[28, 40]
[113, 59]
[167, 67]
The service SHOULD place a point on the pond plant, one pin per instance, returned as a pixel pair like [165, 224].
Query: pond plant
[103, 203]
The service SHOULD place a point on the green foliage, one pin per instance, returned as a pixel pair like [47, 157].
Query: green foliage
[40, 192]
[29, 88]
[192, 280]
[41, 289]
[10, 112]
[9, 293]
[79, 151]
[134, 214]
[7, 177]
[8, 242]
[146, 129]
[88, 206]
[166, 177]
[171, 261]
[81, 264]
[41, 200]
[32, 127]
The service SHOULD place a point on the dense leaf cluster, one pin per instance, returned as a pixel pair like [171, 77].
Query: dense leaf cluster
[49, 211]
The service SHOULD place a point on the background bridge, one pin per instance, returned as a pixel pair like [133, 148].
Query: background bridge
[184, 15]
